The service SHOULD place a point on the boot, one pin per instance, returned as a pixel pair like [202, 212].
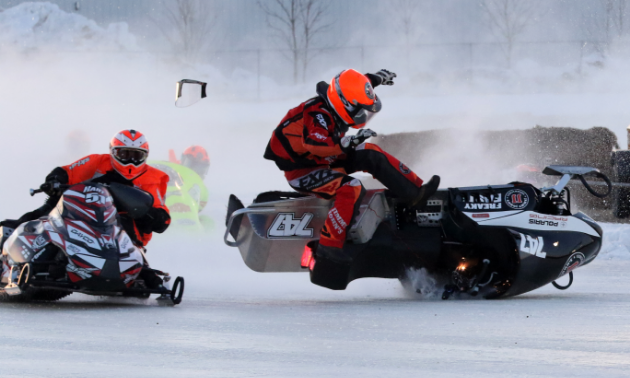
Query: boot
[426, 191]
[332, 268]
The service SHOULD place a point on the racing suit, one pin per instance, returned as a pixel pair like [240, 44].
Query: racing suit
[98, 168]
[306, 146]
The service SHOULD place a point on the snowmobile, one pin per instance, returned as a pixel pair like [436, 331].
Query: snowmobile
[494, 241]
[186, 197]
[80, 246]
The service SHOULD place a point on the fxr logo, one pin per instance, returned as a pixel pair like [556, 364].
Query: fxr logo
[285, 225]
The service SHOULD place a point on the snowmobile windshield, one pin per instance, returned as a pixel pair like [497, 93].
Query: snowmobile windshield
[89, 203]
[174, 178]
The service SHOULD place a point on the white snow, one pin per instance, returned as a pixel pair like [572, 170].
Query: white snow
[235, 322]
[37, 26]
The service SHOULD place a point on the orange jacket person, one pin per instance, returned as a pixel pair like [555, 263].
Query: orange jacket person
[311, 147]
[125, 164]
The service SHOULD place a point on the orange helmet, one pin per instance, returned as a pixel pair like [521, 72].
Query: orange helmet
[196, 158]
[129, 150]
[351, 95]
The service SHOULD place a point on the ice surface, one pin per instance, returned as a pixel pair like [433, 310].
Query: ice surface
[235, 322]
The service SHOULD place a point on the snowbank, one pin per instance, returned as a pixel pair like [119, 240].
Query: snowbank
[42, 26]
[616, 244]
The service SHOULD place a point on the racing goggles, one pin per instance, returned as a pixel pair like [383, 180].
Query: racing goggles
[130, 155]
[360, 113]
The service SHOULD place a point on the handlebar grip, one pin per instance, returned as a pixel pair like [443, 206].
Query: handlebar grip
[35, 191]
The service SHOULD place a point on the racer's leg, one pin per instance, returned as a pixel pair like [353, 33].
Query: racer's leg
[347, 192]
[390, 171]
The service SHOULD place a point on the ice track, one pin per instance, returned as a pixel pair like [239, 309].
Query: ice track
[237, 323]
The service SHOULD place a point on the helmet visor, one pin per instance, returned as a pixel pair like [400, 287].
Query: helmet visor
[199, 166]
[130, 155]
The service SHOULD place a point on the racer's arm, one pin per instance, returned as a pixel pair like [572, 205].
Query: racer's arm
[79, 171]
[318, 137]
[383, 77]
[158, 218]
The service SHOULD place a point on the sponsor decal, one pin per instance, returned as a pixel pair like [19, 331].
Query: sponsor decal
[320, 118]
[97, 198]
[79, 163]
[39, 242]
[548, 220]
[532, 245]
[318, 136]
[81, 272]
[481, 215]
[316, 179]
[548, 223]
[73, 248]
[483, 202]
[573, 262]
[338, 223]
[404, 169]
[516, 199]
[82, 236]
[286, 225]
[89, 189]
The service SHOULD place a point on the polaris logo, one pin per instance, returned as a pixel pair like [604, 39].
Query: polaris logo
[532, 245]
[543, 223]
[285, 225]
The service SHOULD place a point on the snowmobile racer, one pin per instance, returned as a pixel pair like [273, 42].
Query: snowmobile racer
[195, 158]
[125, 164]
[311, 147]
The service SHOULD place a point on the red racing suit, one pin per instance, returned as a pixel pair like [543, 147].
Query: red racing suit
[98, 168]
[306, 146]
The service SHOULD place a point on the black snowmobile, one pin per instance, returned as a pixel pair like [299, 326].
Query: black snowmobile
[496, 240]
[82, 247]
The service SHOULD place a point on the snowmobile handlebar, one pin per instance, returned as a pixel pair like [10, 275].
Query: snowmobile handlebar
[568, 173]
[47, 186]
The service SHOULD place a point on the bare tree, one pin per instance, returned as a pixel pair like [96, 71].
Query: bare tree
[508, 19]
[406, 13]
[297, 24]
[312, 14]
[188, 25]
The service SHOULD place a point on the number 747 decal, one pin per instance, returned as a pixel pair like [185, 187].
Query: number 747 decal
[285, 225]
[532, 245]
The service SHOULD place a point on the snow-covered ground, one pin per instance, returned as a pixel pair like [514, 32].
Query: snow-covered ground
[234, 322]
[237, 323]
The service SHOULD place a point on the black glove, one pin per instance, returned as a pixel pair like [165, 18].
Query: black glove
[156, 220]
[387, 77]
[351, 141]
[57, 176]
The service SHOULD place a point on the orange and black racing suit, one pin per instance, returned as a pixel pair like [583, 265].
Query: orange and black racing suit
[306, 146]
